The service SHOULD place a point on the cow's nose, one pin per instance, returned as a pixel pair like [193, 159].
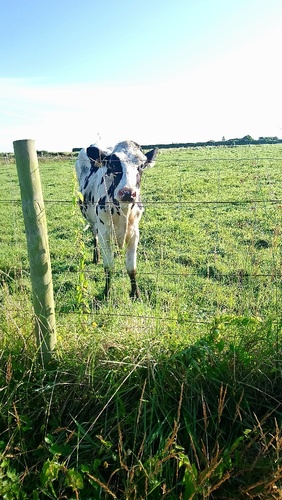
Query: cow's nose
[127, 194]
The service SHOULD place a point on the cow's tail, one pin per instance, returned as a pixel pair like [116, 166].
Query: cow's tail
[82, 167]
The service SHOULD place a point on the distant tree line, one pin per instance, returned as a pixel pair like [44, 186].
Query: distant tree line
[247, 139]
[52, 153]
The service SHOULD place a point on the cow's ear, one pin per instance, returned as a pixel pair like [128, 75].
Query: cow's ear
[151, 157]
[95, 154]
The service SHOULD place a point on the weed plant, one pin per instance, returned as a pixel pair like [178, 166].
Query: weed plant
[177, 396]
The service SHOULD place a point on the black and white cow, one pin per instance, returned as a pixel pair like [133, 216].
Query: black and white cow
[109, 182]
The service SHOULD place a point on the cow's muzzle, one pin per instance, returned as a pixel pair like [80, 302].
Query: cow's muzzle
[128, 195]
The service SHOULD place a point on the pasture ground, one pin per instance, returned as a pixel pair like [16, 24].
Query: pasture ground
[175, 396]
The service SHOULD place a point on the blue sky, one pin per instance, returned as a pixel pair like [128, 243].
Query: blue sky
[152, 71]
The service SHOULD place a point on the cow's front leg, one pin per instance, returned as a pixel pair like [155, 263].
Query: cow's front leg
[96, 251]
[108, 258]
[131, 261]
[108, 283]
[134, 292]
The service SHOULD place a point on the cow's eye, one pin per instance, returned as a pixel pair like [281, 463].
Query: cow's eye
[109, 169]
[115, 168]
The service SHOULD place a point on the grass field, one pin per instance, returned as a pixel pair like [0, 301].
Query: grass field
[175, 396]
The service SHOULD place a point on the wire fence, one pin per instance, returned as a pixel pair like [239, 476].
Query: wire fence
[210, 242]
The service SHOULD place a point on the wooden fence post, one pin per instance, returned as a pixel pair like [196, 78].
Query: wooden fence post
[38, 247]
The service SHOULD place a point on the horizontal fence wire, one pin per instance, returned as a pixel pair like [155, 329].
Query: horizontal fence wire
[184, 274]
[275, 275]
[169, 153]
[167, 202]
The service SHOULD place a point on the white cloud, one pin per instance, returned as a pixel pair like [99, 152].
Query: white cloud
[232, 96]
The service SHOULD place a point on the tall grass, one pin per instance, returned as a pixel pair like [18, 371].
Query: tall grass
[177, 396]
[115, 421]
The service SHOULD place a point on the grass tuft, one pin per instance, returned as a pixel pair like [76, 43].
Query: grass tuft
[203, 421]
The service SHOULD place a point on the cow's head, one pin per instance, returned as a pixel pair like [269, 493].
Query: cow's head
[124, 167]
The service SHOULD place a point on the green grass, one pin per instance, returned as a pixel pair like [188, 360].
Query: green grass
[175, 396]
